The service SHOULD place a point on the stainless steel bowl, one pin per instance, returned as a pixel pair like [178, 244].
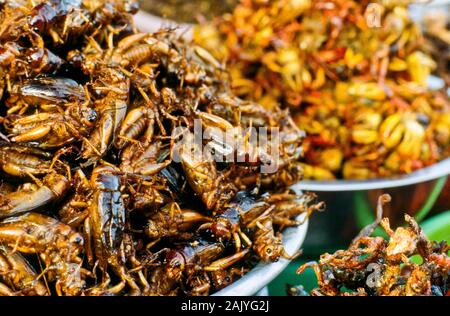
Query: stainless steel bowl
[350, 204]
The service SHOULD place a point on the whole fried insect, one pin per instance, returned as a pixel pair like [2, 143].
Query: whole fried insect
[202, 175]
[141, 154]
[19, 275]
[139, 47]
[18, 61]
[137, 125]
[222, 278]
[215, 276]
[149, 195]
[288, 207]
[188, 257]
[51, 130]
[111, 108]
[173, 221]
[268, 245]
[66, 117]
[185, 261]
[145, 159]
[227, 226]
[230, 142]
[44, 92]
[231, 223]
[56, 243]
[105, 227]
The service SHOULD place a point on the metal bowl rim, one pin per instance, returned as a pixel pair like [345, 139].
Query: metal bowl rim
[433, 172]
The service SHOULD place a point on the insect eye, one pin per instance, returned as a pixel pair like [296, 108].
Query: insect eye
[76, 239]
[175, 263]
[90, 115]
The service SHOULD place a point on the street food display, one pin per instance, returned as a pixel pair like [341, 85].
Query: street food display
[146, 164]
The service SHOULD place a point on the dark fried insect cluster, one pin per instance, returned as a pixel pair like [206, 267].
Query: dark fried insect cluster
[98, 194]
[380, 267]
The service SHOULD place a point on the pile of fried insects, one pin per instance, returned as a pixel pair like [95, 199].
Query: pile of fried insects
[353, 72]
[92, 201]
[375, 266]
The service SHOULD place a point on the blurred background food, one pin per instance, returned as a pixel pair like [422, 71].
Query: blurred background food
[354, 75]
[187, 11]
